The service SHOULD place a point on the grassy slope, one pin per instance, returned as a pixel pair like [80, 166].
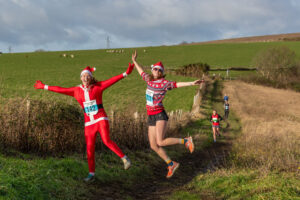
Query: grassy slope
[19, 71]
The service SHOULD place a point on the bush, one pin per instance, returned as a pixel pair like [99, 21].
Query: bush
[276, 67]
[193, 70]
[55, 128]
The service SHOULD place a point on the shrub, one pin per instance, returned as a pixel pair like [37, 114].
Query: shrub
[276, 67]
[55, 128]
[193, 70]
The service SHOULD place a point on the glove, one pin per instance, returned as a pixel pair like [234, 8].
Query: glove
[130, 68]
[39, 85]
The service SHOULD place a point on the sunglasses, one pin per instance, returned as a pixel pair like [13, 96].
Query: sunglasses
[156, 69]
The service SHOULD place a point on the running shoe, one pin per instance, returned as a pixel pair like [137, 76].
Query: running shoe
[172, 169]
[127, 163]
[189, 144]
[90, 178]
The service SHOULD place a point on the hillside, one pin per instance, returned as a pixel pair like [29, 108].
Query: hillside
[263, 38]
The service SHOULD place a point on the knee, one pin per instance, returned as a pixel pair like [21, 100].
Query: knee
[160, 143]
[90, 152]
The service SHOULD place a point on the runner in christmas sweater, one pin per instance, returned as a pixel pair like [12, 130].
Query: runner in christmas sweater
[89, 96]
[157, 86]
[215, 119]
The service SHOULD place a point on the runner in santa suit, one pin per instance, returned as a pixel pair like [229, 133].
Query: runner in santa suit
[89, 96]
[157, 87]
[215, 119]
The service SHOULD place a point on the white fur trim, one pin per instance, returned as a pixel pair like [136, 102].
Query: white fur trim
[45, 87]
[157, 66]
[95, 121]
[86, 71]
[125, 74]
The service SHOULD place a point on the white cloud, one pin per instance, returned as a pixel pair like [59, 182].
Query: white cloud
[83, 24]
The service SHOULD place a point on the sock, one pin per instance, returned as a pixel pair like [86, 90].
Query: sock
[185, 140]
[169, 162]
[92, 173]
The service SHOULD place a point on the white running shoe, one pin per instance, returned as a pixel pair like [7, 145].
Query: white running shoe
[127, 163]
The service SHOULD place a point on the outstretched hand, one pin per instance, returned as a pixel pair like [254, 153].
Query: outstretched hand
[134, 56]
[39, 85]
[198, 82]
[130, 68]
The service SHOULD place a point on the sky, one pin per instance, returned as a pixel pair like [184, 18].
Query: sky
[57, 25]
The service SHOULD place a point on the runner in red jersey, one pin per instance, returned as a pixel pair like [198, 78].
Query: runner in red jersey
[215, 119]
[157, 86]
[89, 96]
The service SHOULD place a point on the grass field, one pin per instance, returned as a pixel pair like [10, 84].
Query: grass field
[19, 71]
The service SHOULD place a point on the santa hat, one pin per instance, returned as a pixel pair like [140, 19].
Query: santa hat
[88, 70]
[158, 65]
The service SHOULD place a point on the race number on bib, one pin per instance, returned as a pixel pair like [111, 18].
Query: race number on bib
[149, 97]
[215, 120]
[90, 107]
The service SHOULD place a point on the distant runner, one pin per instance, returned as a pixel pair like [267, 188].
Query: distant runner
[226, 98]
[157, 87]
[89, 96]
[215, 119]
[226, 109]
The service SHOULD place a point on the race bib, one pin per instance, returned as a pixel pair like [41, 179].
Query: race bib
[215, 120]
[90, 107]
[149, 97]
[226, 107]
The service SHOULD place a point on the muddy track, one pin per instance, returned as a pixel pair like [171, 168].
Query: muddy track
[191, 165]
[158, 187]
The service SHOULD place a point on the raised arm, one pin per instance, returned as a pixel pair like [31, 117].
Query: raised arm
[105, 84]
[137, 66]
[67, 91]
[184, 84]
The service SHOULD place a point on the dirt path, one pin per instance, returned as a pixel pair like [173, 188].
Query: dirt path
[158, 187]
[191, 165]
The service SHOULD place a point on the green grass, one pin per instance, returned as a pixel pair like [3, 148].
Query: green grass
[25, 176]
[20, 70]
[241, 184]
[232, 73]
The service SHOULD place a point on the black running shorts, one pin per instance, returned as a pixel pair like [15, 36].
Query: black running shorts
[160, 116]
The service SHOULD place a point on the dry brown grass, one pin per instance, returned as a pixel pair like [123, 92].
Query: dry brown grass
[46, 127]
[271, 126]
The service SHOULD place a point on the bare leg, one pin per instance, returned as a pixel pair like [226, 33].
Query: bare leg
[161, 127]
[214, 133]
[152, 139]
[218, 131]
